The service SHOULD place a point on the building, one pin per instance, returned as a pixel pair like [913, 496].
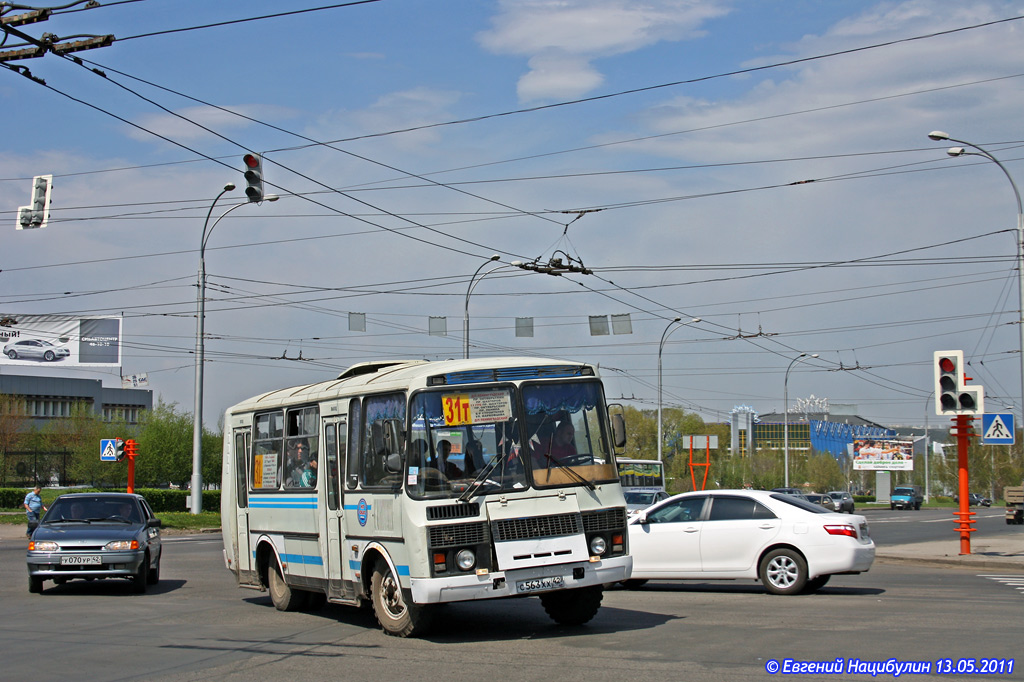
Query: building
[49, 398]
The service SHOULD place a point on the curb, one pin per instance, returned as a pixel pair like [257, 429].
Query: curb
[972, 561]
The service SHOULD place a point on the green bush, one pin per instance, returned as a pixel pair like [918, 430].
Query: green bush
[160, 499]
[863, 499]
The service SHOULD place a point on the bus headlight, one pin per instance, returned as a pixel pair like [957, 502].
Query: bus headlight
[465, 559]
[598, 545]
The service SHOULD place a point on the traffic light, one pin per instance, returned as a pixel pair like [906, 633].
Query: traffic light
[253, 176]
[952, 394]
[36, 214]
[131, 448]
[119, 449]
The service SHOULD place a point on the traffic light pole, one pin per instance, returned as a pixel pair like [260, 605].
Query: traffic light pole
[964, 433]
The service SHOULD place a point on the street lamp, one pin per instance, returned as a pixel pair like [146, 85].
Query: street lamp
[938, 135]
[196, 498]
[785, 411]
[664, 335]
[465, 316]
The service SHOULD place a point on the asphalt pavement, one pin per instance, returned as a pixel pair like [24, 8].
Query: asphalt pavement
[1001, 552]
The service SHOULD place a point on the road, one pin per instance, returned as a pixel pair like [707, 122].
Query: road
[897, 527]
[196, 625]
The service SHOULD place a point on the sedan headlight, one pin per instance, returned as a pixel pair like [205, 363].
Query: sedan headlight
[121, 545]
[44, 546]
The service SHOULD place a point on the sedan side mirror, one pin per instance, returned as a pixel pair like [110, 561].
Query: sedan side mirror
[154, 523]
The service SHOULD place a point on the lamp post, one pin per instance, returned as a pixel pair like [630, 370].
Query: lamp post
[661, 346]
[938, 135]
[469, 290]
[785, 412]
[196, 498]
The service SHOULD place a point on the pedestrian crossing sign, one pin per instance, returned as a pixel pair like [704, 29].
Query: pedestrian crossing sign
[997, 429]
[108, 450]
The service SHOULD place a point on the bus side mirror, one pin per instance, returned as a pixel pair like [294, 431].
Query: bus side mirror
[618, 431]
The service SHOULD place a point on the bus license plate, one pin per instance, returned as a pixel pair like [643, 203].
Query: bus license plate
[556, 581]
[87, 560]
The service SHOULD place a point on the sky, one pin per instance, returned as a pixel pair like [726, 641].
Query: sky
[763, 166]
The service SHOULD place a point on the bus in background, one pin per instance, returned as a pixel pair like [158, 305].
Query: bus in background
[643, 482]
[408, 484]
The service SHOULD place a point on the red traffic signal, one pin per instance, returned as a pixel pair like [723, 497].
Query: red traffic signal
[952, 394]
[253, 177]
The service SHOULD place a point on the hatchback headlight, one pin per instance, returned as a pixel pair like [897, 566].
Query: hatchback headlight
[44, 546]
[121, 545]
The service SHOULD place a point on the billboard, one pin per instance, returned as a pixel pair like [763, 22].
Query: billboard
[883, 455]
[60, 341]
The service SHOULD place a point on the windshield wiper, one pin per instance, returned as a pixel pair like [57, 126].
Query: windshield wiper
[475, 486]
[68, 521]
[572, 472]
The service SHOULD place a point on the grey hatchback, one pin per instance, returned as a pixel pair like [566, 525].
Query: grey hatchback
[96, 535]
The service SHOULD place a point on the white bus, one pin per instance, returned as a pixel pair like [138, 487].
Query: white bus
[643, 482]
[412, 483]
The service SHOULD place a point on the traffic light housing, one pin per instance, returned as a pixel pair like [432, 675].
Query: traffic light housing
[36, 214]
[952, 394]
[253, 177]
[119, 449]
[131, 448]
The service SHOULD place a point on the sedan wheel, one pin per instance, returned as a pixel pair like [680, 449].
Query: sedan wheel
[12, 354]
[783, 571]
[49, 356]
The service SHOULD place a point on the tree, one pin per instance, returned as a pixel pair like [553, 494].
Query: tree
[165, 449]
[12, 428]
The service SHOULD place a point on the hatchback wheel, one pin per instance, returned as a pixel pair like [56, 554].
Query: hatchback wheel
[783, 571]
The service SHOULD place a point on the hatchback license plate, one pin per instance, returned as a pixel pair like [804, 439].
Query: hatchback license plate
[553, 582]
[87, 560]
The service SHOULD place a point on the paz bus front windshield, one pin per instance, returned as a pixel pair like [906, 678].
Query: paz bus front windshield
[464, 442]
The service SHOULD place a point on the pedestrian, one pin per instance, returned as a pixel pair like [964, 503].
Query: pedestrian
[33, 504]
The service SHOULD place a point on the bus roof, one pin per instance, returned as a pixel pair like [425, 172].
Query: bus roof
[384, 375]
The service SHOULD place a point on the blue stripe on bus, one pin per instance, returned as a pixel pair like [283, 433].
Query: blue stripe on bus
[355, 566]
[275, 502]
[355, 507]
[302, 559]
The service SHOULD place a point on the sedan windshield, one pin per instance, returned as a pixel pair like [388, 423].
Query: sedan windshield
[93, 508]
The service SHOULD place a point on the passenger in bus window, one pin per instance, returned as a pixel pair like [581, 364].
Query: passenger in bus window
[295, 461]
[308, 478]
[474, 457]
[451, 470]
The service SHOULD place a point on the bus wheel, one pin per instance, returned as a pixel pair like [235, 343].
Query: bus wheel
[283, 596]
[573, 607]
[395, 616]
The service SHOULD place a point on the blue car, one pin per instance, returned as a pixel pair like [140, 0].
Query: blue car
[94, 536]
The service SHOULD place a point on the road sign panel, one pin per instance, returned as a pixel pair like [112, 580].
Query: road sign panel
[997, 429]
[108, 450]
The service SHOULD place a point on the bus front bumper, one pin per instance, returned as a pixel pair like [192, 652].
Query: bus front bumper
[520, 582]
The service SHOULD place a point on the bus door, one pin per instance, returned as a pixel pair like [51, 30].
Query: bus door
[338, 586]
[243, 556]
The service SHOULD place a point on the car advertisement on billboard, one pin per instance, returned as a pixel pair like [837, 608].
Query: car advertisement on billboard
[60, 341]
[883, 455]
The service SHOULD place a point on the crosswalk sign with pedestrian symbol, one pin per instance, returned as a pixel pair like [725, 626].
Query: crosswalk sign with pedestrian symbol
[997, 429]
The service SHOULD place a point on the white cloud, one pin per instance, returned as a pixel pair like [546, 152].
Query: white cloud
[562, 37]
[183, 127]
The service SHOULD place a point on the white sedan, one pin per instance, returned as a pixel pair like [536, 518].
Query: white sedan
[788, 544]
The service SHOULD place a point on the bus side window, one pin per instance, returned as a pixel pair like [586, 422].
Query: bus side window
[266, 460]
[331, 462]
[355, 414]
